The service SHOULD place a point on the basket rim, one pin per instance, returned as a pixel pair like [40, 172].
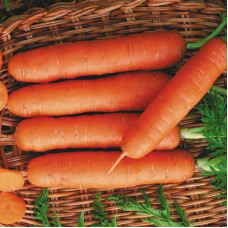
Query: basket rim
[195, 195]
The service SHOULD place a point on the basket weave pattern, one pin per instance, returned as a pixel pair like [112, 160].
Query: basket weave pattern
[67, 22]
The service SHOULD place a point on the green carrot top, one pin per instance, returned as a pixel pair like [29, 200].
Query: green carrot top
[216, 32]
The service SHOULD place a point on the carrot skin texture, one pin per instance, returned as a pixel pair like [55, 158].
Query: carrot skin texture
[123, 92]
[12, 208]
[177, 98]
[10, 180]
[146, 51]
[85, 131]
[3, 96]
[84, 170]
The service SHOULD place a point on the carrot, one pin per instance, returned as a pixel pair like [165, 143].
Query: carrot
[3, 96]
[177, 98]
[87, 131]
[12, 208]
[84, 170]
[124, 92]
[10, 180]
[146, 51]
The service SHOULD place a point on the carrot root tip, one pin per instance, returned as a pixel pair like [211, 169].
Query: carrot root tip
[117, 162]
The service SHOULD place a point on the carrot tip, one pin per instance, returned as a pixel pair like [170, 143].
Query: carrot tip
[117, 162]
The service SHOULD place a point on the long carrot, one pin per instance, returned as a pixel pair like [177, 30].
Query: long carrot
[181, 94]
[10, 180]
[123, 92]
[84, 170]
[146, 51]
[12, 208]
[3, 96]
[85, 131]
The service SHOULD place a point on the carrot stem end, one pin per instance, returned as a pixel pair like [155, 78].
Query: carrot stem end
[200, 43]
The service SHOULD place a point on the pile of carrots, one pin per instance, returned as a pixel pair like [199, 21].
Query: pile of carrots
[139, 110]
[12, 206]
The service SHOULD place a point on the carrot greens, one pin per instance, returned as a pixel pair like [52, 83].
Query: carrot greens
[216, 32]
[100, 214]
[224, 37]
[41, 207]
[7, 5]
[81, 220]
[2, 18]
[159, 217]
[56, 220]
[219, 90]
[213, 110]
[182, 215]
[42, 204]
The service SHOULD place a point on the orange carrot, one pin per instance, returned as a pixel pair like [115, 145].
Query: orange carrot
[12, 208]
[123, 92]
[146, 51]
[84, 170]
[10, 180]
[3, 96]
[177, 98]
[87, 131]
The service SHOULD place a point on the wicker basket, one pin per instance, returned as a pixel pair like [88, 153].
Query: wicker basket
[66, 22]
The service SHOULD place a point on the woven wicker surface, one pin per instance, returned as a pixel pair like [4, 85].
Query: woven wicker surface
[66, 22]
